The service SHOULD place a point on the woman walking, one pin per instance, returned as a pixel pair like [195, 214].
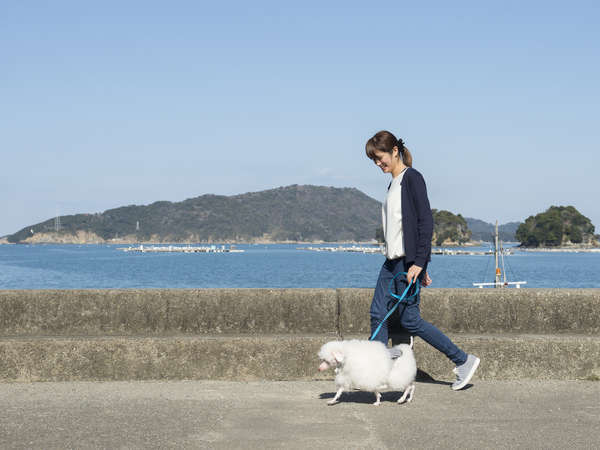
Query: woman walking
[408, 229]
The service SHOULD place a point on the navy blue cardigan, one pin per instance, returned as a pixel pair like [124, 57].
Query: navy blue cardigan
[417, 220]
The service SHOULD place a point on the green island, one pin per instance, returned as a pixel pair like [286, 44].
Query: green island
[556, 227]
[449, 228]
[297, 213]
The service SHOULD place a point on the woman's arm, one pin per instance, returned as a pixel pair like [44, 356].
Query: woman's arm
[424, 223]
[424, 219]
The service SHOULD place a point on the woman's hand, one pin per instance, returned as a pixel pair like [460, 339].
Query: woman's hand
[413, 273]
[426, 280]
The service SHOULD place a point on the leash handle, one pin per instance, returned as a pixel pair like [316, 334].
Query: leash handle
[417, 284]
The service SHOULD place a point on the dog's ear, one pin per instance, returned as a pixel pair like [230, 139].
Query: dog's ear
[338, 356]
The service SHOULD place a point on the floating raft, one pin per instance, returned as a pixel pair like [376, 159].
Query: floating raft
[180, 249]
[446, 251]
[354, 248]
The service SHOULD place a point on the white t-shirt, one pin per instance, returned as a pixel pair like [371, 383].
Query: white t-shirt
[391, 211]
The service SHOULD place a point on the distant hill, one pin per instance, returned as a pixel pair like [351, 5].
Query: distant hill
[292, 213]
[557, 226]
[484, 231]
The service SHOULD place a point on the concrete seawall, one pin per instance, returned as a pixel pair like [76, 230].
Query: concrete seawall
[244, 334]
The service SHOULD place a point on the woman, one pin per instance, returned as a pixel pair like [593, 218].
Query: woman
[408, 229]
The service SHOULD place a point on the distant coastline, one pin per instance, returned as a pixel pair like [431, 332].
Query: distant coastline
[216, 242]
[159, 242]
[570, 249]
[80, 240]
[563, 249]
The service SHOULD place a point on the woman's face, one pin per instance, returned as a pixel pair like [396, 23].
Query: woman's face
[387, 162]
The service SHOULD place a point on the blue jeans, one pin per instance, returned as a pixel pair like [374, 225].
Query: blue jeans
[408, 315]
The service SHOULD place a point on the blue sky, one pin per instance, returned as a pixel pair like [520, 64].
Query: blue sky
[120, 103]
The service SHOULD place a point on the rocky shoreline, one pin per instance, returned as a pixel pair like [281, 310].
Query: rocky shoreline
[85, 238]
[95, 240]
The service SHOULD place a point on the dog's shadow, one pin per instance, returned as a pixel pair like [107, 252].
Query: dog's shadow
[363, 396]
[388, 396]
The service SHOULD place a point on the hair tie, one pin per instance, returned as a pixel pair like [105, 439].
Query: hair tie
[401, 145]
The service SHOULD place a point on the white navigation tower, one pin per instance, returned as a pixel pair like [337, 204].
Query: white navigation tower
[500, 273]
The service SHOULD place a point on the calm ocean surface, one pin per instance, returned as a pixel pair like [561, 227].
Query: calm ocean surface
[267, 266]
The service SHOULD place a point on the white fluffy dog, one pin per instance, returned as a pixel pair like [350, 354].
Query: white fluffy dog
[367, 365]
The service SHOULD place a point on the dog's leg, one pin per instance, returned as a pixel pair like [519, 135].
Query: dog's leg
[404, 394]
[407, 395]
[335, 399]
[412, 391]
[377, 398]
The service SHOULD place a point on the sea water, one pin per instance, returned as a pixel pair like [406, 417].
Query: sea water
[269, 266]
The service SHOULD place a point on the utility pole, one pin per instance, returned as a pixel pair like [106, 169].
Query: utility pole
[57, 221]
[496, 251]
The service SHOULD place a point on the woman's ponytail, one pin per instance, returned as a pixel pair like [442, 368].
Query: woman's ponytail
[405, 153]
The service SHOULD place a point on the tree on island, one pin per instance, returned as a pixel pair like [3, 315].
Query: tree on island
[558, 225]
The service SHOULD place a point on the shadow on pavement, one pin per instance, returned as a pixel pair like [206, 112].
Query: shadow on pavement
[363, 397]
[424, 377]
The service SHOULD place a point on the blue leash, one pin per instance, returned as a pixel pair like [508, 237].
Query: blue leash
[399, 297]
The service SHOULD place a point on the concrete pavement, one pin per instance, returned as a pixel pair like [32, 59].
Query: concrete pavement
[294, 414]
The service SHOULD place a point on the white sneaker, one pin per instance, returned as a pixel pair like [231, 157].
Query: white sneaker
[465, 372]
[394, 352]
